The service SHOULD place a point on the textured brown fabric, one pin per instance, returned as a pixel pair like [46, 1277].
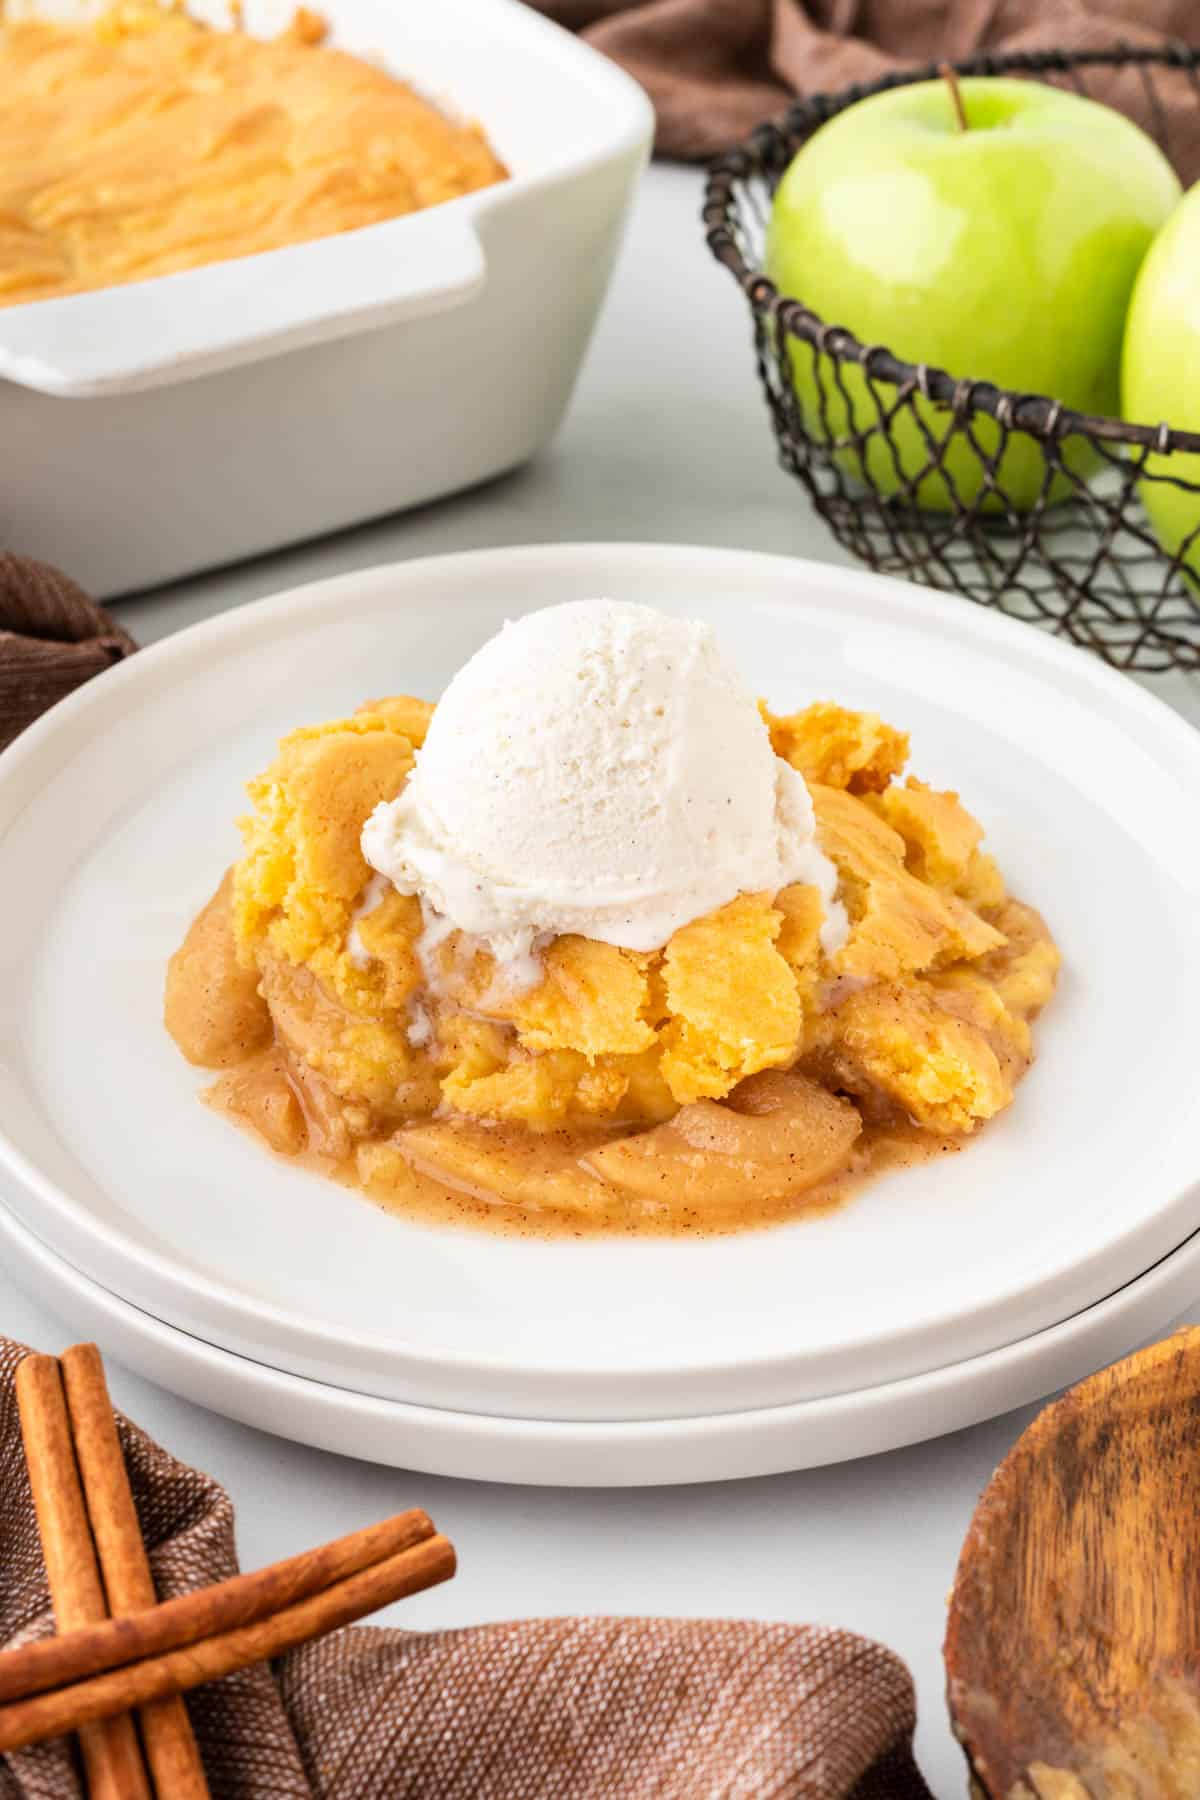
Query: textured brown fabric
[541, 1709]
[52, 638]
[716, 68]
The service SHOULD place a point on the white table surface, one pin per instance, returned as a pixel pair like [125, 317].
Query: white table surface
[667, 440]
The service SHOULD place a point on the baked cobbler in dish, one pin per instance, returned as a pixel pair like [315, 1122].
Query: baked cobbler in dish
[145, 143]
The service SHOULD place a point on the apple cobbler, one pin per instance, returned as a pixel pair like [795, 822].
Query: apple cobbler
[145, 143]
[740, 1074]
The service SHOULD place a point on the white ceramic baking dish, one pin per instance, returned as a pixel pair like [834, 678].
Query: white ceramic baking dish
[173, 424]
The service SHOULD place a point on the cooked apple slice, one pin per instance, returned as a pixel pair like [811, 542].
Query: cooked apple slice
[213, 1008]
[776, 1135]
[260, 1093]
[536, 1170]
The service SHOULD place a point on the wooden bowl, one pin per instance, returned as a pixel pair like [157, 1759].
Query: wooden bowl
[1073, 1643]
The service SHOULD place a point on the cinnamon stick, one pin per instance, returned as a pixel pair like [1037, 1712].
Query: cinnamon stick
[67, 1709]
[167, 1735]
[112, 1755]
[208, 1612]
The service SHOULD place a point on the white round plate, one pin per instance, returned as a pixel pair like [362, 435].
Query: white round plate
[117, 817]
[647, 1453]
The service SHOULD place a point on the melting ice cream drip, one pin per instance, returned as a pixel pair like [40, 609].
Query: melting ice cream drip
[373, 895]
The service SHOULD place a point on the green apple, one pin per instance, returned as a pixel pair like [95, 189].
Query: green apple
[1001, 247]
[1160, 372]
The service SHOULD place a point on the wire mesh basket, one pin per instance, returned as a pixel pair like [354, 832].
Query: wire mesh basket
[1081, 559]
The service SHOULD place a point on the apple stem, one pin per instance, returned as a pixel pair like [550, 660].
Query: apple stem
[951, 79]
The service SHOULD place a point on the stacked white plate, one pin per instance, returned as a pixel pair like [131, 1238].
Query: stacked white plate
[941, 1295]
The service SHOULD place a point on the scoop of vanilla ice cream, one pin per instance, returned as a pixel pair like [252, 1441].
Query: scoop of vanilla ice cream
[597, 768]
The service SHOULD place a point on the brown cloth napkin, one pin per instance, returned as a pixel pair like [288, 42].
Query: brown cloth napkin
[541, 1709]
[52, 638]
[717, 68]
